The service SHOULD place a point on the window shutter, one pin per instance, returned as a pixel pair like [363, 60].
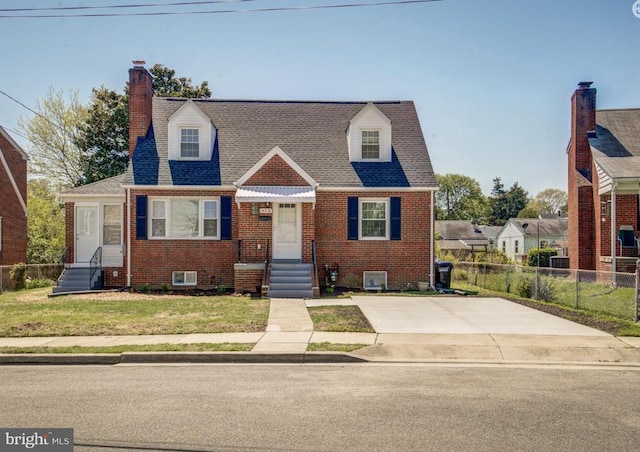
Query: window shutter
[396, 218]
[141, 217]
[225, 218]
[352, 216]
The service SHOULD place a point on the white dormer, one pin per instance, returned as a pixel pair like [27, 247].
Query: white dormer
[369, 136]
[191, 134]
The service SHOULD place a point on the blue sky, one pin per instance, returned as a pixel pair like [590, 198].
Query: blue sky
[491, 79]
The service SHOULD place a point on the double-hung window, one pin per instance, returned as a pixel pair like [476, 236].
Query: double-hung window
[374, 219]
[370, 144]
[516, 247]
[185, 218]
[189, 143]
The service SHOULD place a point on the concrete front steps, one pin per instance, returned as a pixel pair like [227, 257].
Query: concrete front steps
[76, 279]
[290, 279]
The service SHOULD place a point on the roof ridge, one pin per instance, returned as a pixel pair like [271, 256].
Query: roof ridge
[284, 101]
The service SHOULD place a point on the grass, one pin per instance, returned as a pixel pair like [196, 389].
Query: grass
[331, 347]
[339, 319]
[225, 347]
[32, 313]
[593, 318]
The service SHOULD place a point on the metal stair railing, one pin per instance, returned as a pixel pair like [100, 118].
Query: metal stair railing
[95, 264]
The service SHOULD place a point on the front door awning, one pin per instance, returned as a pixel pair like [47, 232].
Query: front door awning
[282, 194]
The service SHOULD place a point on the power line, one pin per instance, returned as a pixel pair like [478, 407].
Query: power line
[14, 132]
[222, 11]
[141, 5]
[35, 112]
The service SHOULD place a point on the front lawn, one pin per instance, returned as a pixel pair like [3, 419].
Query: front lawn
[340, 319]
[32, 313]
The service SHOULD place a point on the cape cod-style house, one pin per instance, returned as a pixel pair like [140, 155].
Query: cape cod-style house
[281, 197]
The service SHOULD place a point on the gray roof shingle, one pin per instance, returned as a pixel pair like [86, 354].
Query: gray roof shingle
[616, 146]
[313, 134]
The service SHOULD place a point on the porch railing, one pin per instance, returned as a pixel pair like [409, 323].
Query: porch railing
[253, 251]
[95, 264]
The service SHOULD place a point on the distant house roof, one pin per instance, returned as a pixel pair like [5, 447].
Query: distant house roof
[460, 234]
[555, 226]
[616, 146]
[313, 134]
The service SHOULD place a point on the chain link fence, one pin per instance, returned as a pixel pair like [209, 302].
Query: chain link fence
[34, 271]
[605, 292]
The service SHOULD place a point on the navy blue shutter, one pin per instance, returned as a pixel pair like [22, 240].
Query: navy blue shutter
[225, 218]
[141, 217]
[396, 218]
[352, 218]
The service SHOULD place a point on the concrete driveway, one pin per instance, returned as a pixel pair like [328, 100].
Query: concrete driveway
[461, 315]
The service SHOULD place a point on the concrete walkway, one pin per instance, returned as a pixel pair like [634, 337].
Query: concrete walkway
[425, 329]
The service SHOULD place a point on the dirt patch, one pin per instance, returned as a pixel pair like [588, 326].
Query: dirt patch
[608, 326]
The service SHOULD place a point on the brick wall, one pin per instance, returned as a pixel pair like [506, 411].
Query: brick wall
[276, 172]
[153, 261]
[14, 220]
[406, 260]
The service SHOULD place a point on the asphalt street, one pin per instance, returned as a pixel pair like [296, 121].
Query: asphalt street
[366, 407]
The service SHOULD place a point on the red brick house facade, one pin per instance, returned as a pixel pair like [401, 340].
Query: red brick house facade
[221, 192]
[13, 208]
[603, 185]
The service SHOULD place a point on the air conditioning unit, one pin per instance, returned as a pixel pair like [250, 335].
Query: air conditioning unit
[374, 280]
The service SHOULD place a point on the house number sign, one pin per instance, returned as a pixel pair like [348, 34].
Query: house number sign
[266, 210]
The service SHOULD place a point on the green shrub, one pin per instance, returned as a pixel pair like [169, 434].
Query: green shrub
[164, 287]
[144, 288]
[545, 255]
[523, 288]
[18, 274]
[38, 283]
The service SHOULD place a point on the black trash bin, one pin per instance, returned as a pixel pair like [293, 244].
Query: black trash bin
[443, 274]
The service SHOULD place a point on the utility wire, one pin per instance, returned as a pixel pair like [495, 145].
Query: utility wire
[222, 11]
[14, 132]
[141, 5]
[36, 113]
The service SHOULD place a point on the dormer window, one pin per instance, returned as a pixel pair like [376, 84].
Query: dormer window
[189, 143]
[370, 144]
[191, 134]
[369, 136]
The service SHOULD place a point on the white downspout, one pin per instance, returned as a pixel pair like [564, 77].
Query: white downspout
[614, 238]
[128, 237]
[432, 281]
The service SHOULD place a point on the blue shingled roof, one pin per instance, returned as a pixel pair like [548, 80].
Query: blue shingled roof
[381, 174]
[197, 172]
[145, 160]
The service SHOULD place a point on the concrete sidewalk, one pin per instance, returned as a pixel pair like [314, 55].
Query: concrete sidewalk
[290, 330]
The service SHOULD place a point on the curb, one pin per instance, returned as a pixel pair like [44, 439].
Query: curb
[65, 359]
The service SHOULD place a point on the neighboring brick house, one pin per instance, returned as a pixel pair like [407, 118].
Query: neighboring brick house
[13, 204]
[230, 192]
[604, 183]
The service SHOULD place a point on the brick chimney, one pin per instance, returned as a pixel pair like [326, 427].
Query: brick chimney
[582, 216]
[140, 95]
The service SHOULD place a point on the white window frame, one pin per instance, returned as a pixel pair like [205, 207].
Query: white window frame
[189, 278]
[387, 218]
[185, 128]
[362, 144]
[167, 217]
[516, 246]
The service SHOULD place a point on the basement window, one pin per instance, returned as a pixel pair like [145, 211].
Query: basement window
[182, 278]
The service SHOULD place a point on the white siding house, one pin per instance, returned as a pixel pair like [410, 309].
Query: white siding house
[520, 235]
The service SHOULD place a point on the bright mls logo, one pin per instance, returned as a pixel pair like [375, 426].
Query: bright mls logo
[636, 8]
[47, 440]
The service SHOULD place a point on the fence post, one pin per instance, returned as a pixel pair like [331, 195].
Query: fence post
[484, 276]
[577, 288]
[635, 314]
[506, 278]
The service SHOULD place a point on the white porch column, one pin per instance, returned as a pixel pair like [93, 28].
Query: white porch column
[614, 237]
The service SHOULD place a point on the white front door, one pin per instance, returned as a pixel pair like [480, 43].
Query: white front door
[87, 237]
[287, 231]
